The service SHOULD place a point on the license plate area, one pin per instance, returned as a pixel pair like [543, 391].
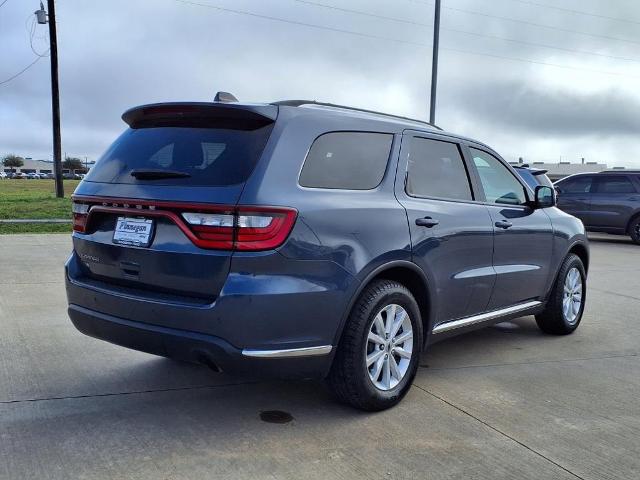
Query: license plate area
[133, 231]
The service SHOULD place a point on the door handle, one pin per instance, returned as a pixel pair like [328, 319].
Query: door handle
[426, 222]
[504, 224]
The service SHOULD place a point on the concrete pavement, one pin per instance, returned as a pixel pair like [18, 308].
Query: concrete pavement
[504, 402]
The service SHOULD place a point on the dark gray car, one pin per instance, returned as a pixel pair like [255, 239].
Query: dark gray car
[605, 202]
[299, 239]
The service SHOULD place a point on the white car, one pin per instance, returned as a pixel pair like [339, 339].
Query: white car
[3, 175]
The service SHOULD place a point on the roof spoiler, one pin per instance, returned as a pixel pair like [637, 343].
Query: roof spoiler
[201, 114]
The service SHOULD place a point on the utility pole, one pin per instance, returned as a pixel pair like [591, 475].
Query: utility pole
[50, 18]
[434, 63]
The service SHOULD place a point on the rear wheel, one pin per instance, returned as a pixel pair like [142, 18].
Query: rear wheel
[564, 309]
[634, 230]
[378, 354]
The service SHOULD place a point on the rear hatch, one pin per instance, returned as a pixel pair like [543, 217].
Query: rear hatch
[154, 217]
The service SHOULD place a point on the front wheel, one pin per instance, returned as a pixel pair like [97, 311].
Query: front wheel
[378, 354]
[634, 231]
[564, 309]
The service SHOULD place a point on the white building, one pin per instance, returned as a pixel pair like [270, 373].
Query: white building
[558, 170]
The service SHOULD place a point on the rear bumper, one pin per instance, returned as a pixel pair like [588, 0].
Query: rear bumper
[309, 362]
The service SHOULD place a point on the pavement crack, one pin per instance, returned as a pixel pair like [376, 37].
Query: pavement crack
[535, 362]
[630, 297]
[500, 432]
[134, 392]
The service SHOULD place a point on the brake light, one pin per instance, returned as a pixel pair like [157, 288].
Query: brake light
[80, 214]
[216, 227]
[246, 230]
[263, 230]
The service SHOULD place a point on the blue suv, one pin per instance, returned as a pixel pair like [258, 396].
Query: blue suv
[310, 240]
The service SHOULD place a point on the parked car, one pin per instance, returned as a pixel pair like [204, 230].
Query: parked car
[48, 176]
[3, 175]
[19, 176]
[533, 176]
[329, 242]
[32, 176]
[607, 202]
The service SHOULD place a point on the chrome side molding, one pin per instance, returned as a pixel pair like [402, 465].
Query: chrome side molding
[290, 352]
[484, 317]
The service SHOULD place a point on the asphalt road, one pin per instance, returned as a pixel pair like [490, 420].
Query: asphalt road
[504, 402]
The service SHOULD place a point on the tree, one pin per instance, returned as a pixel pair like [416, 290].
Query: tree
[73, 164]
[13, 161]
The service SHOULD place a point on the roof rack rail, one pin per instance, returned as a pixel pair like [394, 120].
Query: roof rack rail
[298, 103]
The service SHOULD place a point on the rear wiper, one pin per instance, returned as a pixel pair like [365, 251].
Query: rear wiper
[156, 173]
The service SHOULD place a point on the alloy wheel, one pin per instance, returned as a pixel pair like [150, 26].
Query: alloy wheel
[572, 297]
[389, 347]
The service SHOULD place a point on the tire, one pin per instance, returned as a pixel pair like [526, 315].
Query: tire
[634, 230]
[350, 378]
[556, 319]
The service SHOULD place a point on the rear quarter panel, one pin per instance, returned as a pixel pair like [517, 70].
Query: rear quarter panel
[358, 230]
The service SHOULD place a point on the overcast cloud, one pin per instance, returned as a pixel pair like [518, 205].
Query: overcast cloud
[121, 53]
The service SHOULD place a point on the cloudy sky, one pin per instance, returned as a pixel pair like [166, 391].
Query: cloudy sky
[532, 78]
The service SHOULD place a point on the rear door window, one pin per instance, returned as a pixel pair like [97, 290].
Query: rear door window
[347, 160]
[576, 185]
[617, 184]
[436, 169]
[207, 156]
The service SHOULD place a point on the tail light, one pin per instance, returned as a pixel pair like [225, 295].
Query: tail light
[216, 227]
[80, 215]
[250, 229]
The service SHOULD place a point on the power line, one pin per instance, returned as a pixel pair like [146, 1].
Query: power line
[366, 14]
[535, 44]
[295, 22]
[531, 24]
[577, 12]
[536, 62]
[21, 71]
[5, 1]
[466, 32]
[423, 45]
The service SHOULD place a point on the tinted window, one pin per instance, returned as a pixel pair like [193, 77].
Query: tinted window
[528, 177]
[436, 169]
[615, 185]
[499, 184]
[575, 185]
[209, 156]
[349, 160]
[543, 179]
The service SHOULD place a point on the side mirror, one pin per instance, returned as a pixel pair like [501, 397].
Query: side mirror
[545, 197]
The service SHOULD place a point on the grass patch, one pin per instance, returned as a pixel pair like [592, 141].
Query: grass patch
[9, 228]
[34, 199]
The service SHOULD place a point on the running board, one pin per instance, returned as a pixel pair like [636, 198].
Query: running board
[484, 317]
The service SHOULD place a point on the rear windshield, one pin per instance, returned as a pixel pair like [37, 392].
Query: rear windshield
[209, 156]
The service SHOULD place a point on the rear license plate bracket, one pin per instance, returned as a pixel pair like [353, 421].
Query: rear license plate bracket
[133, 231]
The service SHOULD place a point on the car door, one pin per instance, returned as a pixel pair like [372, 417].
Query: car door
[574, 196]
[523, 240]
[613, 202]
[451, 233]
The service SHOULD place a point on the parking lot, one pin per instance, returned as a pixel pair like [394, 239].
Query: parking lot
[504, 402]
